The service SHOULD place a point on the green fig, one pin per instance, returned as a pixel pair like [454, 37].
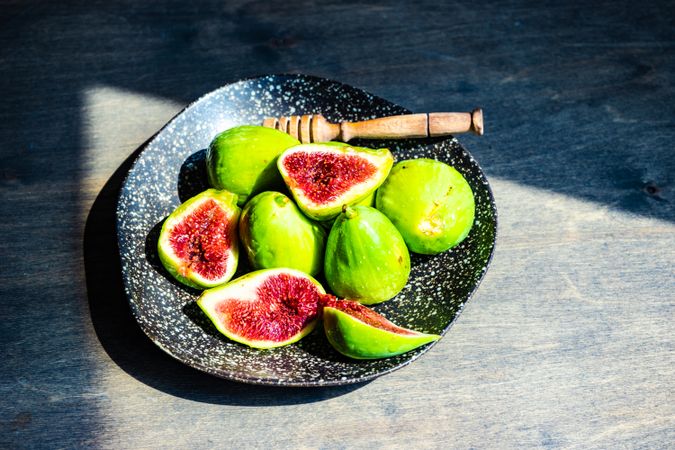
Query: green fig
[243, 160]
[275, 233]
[429, 202]
[198, 242]
[366, 257]
[359, 332]
[368, 201]
[324, 177]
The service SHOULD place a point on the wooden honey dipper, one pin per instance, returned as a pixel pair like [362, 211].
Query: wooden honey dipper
[315, 128]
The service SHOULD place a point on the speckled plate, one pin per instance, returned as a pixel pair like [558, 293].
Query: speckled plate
[170, 169]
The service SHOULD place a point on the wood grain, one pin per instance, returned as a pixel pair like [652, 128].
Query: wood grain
[569, 340]
[412, 125]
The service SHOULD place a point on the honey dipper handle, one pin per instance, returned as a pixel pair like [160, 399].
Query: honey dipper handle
[413, 126]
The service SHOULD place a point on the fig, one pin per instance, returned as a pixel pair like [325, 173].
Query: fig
[265, 309]
[366, 257]
[198, 242]
[275, 233]
[429, 202]
[324, 177]
[368, 201]
[359, 332]
[243, 160]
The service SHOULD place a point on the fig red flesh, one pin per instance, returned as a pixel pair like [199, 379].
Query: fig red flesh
[202, 240]
[324, 176]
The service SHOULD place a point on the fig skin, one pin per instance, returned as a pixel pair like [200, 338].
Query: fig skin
[429, 202]
[366, 257]
[174, 265]
[243, 160]
[275, 233]
[381, 158]
[368, 201]
[356, 339]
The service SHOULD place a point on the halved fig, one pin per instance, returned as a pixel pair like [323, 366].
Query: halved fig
[359, 332]
[265, 309]
[324, 177]
[198, 242]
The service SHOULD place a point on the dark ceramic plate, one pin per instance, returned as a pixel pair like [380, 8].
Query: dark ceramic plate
[170, 169]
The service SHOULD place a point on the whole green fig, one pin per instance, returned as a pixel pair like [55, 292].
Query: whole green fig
[429, 202]
[368, 201]
[366, 257]
[243, 160]
[275, 233]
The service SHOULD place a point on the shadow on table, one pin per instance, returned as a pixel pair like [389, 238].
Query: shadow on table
[132, 350]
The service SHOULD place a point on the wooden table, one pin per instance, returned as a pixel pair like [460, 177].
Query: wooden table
[568, 343]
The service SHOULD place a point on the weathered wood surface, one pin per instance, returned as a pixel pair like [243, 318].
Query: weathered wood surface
[567, 344]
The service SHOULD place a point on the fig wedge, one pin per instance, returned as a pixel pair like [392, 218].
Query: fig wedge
[359, 332]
